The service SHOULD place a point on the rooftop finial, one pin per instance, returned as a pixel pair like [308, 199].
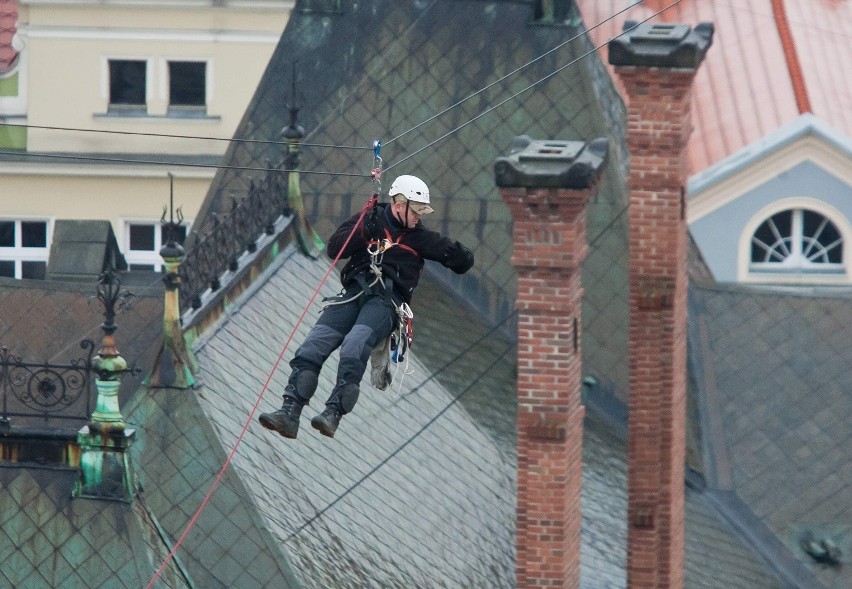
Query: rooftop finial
[171, 247]
[293, 132]
[105, 470]
[174, 366]
[310, 243]
[110, 295]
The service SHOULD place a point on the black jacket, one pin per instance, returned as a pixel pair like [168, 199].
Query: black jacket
[402, 262]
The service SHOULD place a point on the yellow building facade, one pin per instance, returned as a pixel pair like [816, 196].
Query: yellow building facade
[108, 103]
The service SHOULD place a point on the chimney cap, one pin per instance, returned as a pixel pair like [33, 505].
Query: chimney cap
[669, 45]
[552, 163]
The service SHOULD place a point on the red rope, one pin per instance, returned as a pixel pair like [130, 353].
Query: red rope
[217, 481]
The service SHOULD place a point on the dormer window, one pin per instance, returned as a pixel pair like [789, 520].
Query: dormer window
[797, 241]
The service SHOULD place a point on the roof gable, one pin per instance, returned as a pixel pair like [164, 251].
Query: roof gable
[806, 139]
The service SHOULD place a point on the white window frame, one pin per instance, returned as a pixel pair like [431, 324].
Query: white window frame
[146, 258]
[157, 86]
[18, 253]
[165, 81]
[150, 83]
[761, 273]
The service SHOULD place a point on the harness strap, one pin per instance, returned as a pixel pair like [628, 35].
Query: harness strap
[366, 289]
[380, 246]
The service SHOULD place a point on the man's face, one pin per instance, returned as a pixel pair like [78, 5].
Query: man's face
[405, 214]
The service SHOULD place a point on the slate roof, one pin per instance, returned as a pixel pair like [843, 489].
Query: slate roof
[82, 250]
[383, 69]
[177, 456]
[716, 555]
[398, 507]
[48, 539]
[402, 525]
[408, 479]
[353, 88]
[45, 321]
[773, 371]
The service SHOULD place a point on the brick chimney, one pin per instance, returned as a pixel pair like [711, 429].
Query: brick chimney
[546, 185]
[657, 65]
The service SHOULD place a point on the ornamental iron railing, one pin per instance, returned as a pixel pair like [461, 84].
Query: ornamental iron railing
[44, 390]
[232, 234]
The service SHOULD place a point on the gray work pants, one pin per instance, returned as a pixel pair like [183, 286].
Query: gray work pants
[356, 328]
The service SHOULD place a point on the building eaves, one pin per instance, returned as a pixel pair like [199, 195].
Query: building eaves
[802, 126]
[106, 164]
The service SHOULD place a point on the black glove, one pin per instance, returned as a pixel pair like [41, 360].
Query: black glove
[373, 225]
[458, 258]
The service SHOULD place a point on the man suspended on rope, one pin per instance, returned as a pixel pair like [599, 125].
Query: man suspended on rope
[386, 257]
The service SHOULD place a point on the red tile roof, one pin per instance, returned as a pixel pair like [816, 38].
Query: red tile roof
[8, 26]
[746, 88]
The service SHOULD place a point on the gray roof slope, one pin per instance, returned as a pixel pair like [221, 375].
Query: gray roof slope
[82, 249]
[177, 456]
[459, 350]
[716, 556]
[438, 512]
[48, 539]
[381, 68]
[453, 485]
[774, 371]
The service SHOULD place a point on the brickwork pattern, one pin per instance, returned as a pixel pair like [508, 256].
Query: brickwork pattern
[549, 247]
[658, 130]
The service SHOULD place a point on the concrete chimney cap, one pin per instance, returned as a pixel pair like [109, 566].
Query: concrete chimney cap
[551, 163]
[669, 45]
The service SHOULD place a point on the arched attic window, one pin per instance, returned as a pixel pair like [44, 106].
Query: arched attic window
[800, 242]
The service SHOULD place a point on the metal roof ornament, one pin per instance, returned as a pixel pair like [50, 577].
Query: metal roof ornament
[105, 469]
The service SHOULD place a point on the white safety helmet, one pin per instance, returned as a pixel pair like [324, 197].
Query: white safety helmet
[415, 192]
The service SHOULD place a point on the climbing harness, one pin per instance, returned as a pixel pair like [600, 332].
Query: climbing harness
[394, 348]
[401, 341]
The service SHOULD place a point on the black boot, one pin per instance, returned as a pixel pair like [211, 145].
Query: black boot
[285, 421]
[327, 421]
[341, 401]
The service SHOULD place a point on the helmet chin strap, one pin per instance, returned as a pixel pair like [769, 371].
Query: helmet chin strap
[404, 220]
